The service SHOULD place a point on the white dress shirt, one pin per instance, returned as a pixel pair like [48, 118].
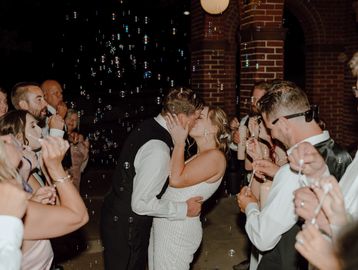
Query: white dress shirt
[11, 234]
[266, 227]
[54, 132]
[349, 187]
[151, 171]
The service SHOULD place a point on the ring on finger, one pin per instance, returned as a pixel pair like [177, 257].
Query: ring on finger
[300, 240]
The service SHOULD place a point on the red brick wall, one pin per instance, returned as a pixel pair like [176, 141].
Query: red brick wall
[325, 24]
[331, 34]
[213, 55]
[261, 48]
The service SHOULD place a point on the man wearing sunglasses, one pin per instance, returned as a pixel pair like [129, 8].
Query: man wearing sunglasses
[291, 120]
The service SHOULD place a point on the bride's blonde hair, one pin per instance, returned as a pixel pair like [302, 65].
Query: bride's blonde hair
[219, 119]
[7, 171]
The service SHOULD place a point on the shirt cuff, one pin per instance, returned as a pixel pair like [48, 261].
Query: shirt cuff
[233, 146]
[12, 230]
[251, 207]
[182, 210]
[56, 132]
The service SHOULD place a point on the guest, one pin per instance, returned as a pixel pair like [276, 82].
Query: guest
[24, 127]
[314, 167]
[3, 102]
[79, 147]
[260, 151]
[139, 182]
[289, 117]
[174, 242]
[60, 219]
[13, 204]
[53, 95]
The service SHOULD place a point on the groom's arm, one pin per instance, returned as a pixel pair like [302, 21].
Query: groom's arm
[152, 168]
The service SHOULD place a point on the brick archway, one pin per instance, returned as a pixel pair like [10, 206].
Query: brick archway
[324, 73]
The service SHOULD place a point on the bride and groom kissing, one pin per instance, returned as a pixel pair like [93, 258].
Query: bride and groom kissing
[151, 214]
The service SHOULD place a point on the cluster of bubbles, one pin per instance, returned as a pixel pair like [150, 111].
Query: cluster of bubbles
[117, 65]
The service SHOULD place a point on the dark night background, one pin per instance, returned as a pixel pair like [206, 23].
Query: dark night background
[115, 59]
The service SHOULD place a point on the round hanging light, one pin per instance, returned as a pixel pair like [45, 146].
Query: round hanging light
[214, 6]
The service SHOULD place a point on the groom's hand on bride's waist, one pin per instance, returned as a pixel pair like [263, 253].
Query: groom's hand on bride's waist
[194, 206]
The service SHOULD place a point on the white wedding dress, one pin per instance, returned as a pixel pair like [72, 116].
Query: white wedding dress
[174, 242]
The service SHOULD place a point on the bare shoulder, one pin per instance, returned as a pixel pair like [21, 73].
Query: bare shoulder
[216, 156]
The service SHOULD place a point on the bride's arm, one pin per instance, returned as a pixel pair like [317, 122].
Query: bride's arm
[206, 166]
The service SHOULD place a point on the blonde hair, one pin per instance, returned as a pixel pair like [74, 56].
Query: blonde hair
[353, 64]
[182, 100]
[7, 171]
[219, 119]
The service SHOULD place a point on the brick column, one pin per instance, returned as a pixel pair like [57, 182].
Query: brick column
[261, 48]
[213, 55]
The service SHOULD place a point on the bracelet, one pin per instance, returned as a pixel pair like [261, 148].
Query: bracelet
[62, 180]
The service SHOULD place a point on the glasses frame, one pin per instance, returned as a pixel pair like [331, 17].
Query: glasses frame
[309, 115]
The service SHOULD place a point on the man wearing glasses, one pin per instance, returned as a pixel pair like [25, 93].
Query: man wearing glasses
[291, 120]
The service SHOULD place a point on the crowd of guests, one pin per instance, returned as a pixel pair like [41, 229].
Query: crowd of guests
[299, 194]
[305, 217]
[42, 155]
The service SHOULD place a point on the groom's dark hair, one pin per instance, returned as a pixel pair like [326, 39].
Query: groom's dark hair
[182, 100]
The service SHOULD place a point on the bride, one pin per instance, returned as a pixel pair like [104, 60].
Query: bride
[173, 243]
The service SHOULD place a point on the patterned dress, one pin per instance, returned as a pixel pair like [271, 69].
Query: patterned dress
[174, 242]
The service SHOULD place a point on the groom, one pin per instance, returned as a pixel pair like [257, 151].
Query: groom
[138, 183]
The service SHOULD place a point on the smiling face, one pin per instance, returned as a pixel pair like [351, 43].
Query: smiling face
[71, 122]
[32, 132]
[35, 103]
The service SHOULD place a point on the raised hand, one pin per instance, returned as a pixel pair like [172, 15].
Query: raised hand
[44, 195]
[305, 155]
[333, 205]
[56, 122]
[234, 124]
[305, 204]
[254, 127]
[244, 198]
[264, 168]
[53, 151]
[176, 130]
[316, 249]
[253, 149]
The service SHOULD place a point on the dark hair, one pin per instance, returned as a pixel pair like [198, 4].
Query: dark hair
[182, 100]
[14, 122]
[19, 92]
[283, 96]
[2, 90]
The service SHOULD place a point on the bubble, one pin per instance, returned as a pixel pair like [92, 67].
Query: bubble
[126, 165]
[231, 252]
[115, 218]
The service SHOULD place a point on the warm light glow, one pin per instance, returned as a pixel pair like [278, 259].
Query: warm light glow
[214, 6]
